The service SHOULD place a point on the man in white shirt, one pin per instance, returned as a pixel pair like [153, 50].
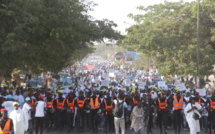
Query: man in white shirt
[18, 97]
[119, 122]
[27, 112]
[19, 121]
[8, 104]
[39, 114]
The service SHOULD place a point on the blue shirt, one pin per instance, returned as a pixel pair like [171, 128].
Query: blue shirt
[124, 106]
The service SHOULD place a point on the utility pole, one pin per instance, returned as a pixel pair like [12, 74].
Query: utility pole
[197, 45]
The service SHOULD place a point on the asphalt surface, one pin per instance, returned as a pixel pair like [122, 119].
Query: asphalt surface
[101, 131]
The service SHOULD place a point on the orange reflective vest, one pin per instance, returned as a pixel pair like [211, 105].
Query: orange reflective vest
[123, 99]
[60, 105]
[32, 103]
[108, 107]
[94, 105]
[135, 101]
[6, 129]
[49, 104]
[80, 103]
[199, 101]
[162, 105]
[212, 104]
[178, 104]
[71, 105]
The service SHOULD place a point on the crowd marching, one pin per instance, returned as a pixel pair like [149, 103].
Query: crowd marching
[91, 100]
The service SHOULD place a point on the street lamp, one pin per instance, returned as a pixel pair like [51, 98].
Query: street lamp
[197, 45]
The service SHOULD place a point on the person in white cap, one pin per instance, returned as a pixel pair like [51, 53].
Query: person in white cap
[27, 111]
[19, 121]
[40, 114]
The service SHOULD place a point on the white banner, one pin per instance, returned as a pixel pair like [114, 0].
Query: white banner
[141, 85]
[105, 75]
[202, 92]
[127, 82]
[161, 84]
[181, 87]
[111, 75]
[105, 83]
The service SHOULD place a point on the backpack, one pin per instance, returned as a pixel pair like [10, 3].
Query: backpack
[118, 109]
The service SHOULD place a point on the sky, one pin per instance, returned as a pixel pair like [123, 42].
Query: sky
[117, 10]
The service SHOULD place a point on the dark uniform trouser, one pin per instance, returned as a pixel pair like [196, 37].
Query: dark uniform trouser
[177, 120]
[88, 120]
[30, 127]
[60, 118]
[109, 122]
[49, 119]
[80, 119]
[94, 119]
[162, 119]
[149, 123]
[39, 124]
[70, 117]
[211, 120]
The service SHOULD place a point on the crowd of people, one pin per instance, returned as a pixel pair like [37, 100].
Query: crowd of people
[89, 105]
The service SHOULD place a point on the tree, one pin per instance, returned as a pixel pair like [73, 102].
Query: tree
[47, 35]
[168, 31]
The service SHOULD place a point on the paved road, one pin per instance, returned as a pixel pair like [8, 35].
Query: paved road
[155, 131]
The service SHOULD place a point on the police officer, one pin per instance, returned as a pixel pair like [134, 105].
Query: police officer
[136, 98]
[60, 111]
[94, 108]
[177, 105]
[6, 124]
[149, 109]
[211, 116]
[108, 112]
[70, 102]
[80, 103]
[50, 111]
[161, 105]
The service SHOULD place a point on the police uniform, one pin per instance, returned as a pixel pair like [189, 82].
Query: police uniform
[80, 103]
[70, 103]
[177, 112]
[148, 107]
[162, 113]
[50, 112]
[109, 118]
[60, 112]
[94, 108]
[211, 114]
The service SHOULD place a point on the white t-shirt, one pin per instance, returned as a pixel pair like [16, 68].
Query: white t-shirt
[40, 109]
[26, 109]
[8, 105]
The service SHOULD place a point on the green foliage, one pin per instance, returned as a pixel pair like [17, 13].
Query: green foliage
[168, 32]
[47, 35]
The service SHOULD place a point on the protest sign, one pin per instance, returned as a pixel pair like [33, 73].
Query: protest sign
[127, 82]
[181, 87]
[111, 75]
[141, 85]
[161, 83]
[202, 92]
[105, 75]
[105, 83]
